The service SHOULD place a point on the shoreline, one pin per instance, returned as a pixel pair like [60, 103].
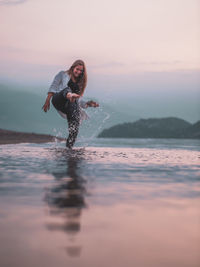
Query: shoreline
[13, 137]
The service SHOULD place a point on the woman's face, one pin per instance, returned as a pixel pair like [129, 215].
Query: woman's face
[77, 71]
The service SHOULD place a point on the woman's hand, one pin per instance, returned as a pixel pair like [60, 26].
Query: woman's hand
[72, 97]
[46, 106]
[92, 103]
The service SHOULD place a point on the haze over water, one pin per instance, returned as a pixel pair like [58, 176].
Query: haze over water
[121, 202]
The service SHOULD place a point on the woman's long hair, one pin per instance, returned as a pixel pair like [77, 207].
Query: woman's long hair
[82, 79]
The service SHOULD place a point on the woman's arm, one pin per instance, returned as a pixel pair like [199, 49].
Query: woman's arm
[55, 84]
[72, 96]
[46, 105]
[67, 93]
[52, 90]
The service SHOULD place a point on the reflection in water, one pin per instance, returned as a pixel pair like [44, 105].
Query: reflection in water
[143, 211]
[66, 197]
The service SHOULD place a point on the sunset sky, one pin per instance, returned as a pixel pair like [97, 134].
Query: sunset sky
[39, 37]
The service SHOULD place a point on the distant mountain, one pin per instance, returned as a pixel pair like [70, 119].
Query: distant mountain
[154, 128]
[22, 111]
[193, 131]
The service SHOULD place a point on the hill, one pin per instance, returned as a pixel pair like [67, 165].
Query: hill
[154, 128]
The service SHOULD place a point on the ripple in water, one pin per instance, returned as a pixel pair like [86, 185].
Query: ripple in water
[99, 206]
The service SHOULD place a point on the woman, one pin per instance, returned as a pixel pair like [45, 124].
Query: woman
[66, 90]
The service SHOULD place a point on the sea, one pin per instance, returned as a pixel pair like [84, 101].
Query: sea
[105, 203]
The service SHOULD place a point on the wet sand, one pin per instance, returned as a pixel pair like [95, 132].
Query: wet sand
[12, 137]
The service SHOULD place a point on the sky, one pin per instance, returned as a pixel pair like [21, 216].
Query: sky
[130, 47]
[112, 37]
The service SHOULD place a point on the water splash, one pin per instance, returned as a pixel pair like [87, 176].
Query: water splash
[85, 141]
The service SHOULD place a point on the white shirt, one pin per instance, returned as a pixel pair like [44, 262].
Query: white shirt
[59, 83]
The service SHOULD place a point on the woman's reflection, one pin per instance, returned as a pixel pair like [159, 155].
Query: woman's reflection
[66, 198]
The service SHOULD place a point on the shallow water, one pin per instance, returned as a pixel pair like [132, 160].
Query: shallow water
[121, 202]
